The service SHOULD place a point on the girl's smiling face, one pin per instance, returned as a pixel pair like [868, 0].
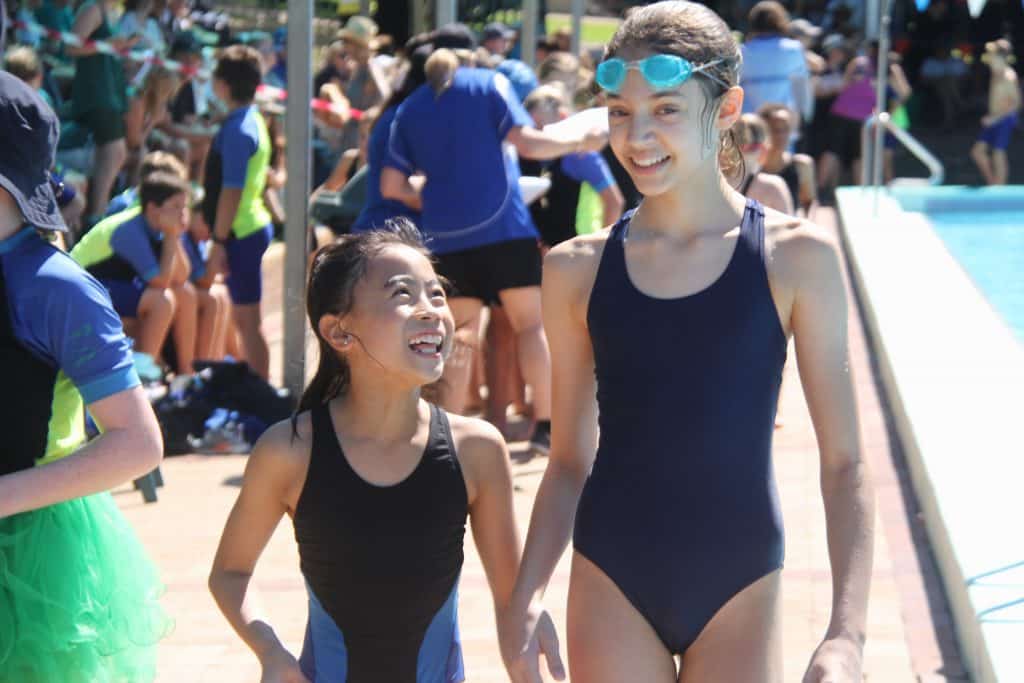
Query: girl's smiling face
[664, 138]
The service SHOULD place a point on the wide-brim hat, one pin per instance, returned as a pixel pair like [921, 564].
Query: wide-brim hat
[360, 30]
[32, 131]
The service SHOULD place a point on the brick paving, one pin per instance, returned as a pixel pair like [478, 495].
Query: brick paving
[909, 636]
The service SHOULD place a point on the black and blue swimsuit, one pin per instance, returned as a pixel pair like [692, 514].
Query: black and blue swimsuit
[382, 564]
[681, 510]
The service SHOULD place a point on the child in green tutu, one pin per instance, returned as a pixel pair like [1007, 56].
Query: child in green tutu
[78, 596]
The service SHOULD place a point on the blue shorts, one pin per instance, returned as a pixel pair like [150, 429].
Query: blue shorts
[997, 136]
[245, 257]
[125, 295]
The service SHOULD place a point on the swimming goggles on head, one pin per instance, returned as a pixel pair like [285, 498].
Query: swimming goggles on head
[662, 72]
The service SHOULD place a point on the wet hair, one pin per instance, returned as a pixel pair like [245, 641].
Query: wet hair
[158, 187]
[769, 16]
[162, 162]
[330, 289]
[23, 62]
[694, 32]
[240, 68]
[440, 69]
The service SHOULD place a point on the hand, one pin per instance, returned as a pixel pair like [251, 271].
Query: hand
[281, 667]
[217, 260]
[594, 140]
[837, 660]
[523, 636]
[987, 120]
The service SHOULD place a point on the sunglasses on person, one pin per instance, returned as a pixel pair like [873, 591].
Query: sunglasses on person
[662, 72]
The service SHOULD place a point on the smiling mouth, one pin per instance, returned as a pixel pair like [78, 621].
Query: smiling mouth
[427, 344]
[651, 163]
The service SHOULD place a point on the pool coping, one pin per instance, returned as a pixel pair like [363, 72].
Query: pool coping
[933, 332]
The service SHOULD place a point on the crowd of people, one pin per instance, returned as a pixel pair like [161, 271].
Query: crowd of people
[651, 287]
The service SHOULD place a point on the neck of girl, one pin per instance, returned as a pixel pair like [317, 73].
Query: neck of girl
[703, 203]
[378, 411]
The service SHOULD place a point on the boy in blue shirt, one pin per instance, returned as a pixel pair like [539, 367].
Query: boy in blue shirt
[137, 255]
[236, 175]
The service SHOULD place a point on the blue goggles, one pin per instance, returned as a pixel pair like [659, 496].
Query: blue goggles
[662, 72]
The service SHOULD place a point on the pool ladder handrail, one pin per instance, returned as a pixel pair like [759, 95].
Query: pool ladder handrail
[936, 171]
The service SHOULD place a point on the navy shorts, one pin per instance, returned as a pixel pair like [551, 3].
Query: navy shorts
[125, 295]
[245, 257]
[997, 136]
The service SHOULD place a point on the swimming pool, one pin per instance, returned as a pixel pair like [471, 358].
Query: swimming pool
[984, 231]
[938, 273]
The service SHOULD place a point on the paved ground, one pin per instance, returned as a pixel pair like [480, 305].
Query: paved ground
[909, 637]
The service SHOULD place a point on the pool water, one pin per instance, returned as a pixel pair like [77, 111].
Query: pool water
[990, 247]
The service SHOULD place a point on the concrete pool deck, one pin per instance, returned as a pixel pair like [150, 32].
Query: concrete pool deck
[908, 638]
[954, 375]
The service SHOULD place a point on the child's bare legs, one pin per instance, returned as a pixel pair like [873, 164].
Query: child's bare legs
[185, 314]
[1000, 167]
[109, 159]
[156, 311]
[214, 322]
[249, 322]
[979, 152]
[829, 172]
[501, 357]
[453, 389]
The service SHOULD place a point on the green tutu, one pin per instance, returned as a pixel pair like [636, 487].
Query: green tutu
[78, 597]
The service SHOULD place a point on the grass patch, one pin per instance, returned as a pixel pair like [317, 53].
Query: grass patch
[596, 31]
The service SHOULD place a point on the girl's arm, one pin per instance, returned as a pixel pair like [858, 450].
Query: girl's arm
[87, 20]
[807, 183]
[484, 457]
[339, 176]
[274, 467]
[819, 323]
[525, 629]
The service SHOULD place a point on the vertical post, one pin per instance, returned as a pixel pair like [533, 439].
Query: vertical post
[881, 88]
[577, 25]
[528, 32]
[298, 124]
[364, 7]
[419, 17]
[447, 12]
[871, 19]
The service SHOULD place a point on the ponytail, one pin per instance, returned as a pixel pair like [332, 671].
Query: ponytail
[440, 69]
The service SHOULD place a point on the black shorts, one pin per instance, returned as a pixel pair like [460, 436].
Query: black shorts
[844, 138]
[482, 272]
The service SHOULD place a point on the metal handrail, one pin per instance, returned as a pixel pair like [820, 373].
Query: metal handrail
[936, 171]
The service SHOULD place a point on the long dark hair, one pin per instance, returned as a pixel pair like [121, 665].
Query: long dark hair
[696, 33]
[330, 289]
[414, 77]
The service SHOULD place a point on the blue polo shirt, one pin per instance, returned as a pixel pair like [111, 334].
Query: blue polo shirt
[589, 167]
[376, 210]
[770, 64]
[55, 315]
[121, 247]
[471, 198]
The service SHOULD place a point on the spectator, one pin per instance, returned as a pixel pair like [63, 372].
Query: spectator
[56, 14]
[135, 254]
[147, 109]
[452, 129]
[190, 110]
[138, 20]
[238, 220]
[99, 99]
[545, 48]
[752, 138]
[497, 38]
[1001, 118]
[797, 170]
[827, 86]
[555, 212]
[774, 67]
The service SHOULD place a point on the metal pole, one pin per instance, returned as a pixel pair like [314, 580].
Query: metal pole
[298, 124]
[528, 32]
[881, 87]
[447, 12]
[577, 25]
[364, 7]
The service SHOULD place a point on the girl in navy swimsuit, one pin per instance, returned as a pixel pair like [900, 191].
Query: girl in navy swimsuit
[378, 482]
[669, 332]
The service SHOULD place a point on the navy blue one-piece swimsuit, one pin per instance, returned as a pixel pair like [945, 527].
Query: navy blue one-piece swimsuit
[681, 509]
